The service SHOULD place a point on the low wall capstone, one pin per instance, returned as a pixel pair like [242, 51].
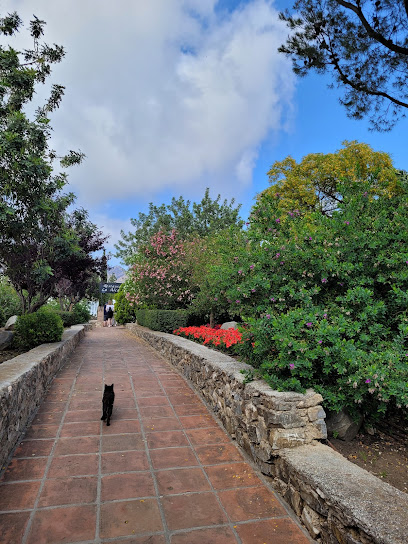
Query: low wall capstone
[337, 501]
[24, 381]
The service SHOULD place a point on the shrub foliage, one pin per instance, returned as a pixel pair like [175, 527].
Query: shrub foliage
[37, 328]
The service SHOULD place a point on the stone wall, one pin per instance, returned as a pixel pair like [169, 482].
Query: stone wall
[23, 383]
[338, 502]
[262, 421]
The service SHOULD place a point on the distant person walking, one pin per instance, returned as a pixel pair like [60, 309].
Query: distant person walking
[105, 315]
[109, 312]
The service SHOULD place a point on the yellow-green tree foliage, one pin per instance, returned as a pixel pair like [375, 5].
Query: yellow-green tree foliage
[312, 185]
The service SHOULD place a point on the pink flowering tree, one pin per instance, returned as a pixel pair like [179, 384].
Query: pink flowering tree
[160, 275]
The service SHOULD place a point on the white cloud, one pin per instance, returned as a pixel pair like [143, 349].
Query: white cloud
[165, 93]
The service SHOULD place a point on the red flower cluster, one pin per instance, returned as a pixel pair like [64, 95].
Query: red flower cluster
[218, 338]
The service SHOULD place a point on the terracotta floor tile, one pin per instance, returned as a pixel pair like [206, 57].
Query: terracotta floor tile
[154, 424]
[128, 518]
[156, 411]
[181, 480]
[233, 475]
[68, 491]
[47, 407]
[48, 418]
[130, 485]
[173, 457]
[146, 393]
[12, 527]
[34, 448]
[166, 439]
[125, 413]
[61, 525]
[150, 539]
[125, 402]
[182, 399]
[194, 510]
[82, 415]
[190, 409]
[217, 535]
[125, 461]
[201, 437]
[146, 385]
[218, 453]
[124, 426]
[198, 421]
[25, 469]
[122, 442]
[74, 465]
[84, 404]
[153, 401]
[18, 496]
[71, 446]
[83, 428]
[41, 431]
[274, 531]
[253, 503]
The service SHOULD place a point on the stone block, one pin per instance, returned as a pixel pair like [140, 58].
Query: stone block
[311, 520]
[312, 399]
[229, 325]
[345, 427]
[6, 338]
[316, 412]
[288, 420]
[11, 321]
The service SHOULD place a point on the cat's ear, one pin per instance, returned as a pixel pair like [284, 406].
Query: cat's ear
[112, 385]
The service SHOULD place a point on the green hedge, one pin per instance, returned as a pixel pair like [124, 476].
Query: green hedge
[79, 315]
[162, 320]
[37, 328]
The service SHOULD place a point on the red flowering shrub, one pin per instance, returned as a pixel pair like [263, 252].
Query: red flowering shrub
[218, 338]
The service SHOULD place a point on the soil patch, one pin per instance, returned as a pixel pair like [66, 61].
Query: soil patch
[382, 454]
[7, 354]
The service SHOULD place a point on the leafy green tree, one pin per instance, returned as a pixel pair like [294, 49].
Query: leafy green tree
[364, 44]
[189, 220]
[212, 261]
[314, 183]
[77, 272]
[35, 232]
[124, 313]
[325, 298]
[9, 301]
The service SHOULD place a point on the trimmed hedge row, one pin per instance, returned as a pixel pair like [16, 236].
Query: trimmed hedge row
[162, 320]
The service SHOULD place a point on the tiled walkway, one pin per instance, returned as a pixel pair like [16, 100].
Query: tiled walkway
[163, 472]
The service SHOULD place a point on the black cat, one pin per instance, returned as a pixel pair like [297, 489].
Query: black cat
[107, 403]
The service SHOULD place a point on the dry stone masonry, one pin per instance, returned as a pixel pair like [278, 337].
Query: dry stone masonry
[23, 383]
[338, 502]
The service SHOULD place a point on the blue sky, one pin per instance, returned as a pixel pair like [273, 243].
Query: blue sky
[168, 97]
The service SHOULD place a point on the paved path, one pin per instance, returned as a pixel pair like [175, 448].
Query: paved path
[163, 472]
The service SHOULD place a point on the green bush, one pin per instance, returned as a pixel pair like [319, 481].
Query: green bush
[81, 313]
[68, 318]
[326, 298]
[37, 328]
[162, 320]
[124, 311]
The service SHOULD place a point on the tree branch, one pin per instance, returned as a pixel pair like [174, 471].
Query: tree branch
[361, 87]
[373, 33]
